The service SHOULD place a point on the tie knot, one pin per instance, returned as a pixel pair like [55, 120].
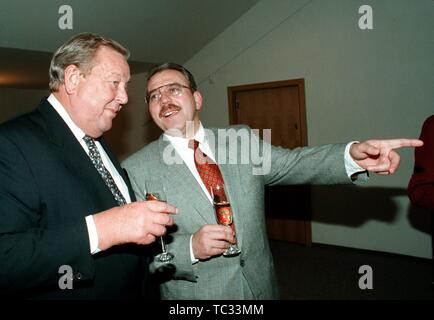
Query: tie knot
[193, 144]
[88, 140]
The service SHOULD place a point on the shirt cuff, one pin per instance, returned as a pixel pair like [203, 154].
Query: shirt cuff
[192, 257]
[93, 235]
[350, 165]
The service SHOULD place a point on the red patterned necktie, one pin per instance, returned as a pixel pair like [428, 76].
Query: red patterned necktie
[210, 174]
[207, 168]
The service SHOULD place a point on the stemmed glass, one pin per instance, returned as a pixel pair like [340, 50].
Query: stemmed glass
[154, 190]
[224, 215]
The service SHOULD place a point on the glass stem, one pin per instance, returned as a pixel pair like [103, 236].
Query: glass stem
[163, 246]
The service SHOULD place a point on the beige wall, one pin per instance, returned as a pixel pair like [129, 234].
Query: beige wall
[359, 84]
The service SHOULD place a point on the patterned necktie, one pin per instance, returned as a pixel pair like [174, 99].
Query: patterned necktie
[207, 168]
[211, 177]
[210, 174]
[95, 156]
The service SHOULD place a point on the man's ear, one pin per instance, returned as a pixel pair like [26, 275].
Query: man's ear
[198, 99]
[71, 78]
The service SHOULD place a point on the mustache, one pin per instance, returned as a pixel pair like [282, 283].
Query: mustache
[167, 108]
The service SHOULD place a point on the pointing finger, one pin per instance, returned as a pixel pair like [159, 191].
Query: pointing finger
[399, 143]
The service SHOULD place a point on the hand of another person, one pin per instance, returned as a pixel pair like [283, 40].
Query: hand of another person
[211, 240]
[138, 222]
[379, 156]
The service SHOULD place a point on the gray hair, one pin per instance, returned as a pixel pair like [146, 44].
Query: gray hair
[79, 51]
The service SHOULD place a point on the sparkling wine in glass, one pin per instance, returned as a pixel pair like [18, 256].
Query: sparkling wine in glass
[224, 215]
[155, 191]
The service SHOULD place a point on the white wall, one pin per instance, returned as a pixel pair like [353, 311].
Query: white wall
[360, 84]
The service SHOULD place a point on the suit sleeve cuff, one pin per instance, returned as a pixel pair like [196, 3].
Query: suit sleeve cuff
[93, 235]
[350, 165]
[356, 173]
[192, 257]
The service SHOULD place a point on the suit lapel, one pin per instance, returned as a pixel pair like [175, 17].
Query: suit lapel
[73, 156]
[180, 180]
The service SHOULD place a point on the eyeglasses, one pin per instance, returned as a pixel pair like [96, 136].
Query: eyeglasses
[173, 89]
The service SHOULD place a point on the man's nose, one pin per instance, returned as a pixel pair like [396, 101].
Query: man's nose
[165, 96]
[122, 96]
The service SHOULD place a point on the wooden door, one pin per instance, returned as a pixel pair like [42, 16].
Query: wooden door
[279, 106]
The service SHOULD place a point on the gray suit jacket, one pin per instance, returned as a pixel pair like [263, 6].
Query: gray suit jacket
[251, 274]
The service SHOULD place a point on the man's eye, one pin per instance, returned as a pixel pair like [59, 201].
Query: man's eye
[174, 90]
[116, 83]
[153, 97]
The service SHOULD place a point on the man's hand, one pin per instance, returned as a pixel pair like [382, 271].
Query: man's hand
[211, 240]
[379, 156]
[139, 222]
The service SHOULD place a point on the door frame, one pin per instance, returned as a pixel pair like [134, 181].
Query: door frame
[299, 83]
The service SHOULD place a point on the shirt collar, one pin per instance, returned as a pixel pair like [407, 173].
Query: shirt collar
[181, 141]
[78, 133]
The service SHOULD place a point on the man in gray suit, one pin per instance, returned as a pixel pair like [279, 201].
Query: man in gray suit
[247, 164]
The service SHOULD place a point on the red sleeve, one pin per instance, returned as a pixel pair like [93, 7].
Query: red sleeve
[421, 186]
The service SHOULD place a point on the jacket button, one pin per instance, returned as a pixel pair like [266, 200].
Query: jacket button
[242, 262]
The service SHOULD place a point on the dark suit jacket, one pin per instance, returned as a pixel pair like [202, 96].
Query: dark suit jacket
[47, 186]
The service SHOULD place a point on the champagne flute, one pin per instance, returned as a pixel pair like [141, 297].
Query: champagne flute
[154, 190]
[224, 215]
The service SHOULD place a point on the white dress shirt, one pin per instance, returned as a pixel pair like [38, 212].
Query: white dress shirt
[187, 154]
[120, 183]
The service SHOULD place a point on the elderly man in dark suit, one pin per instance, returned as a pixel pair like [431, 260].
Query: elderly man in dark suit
[65, 203]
